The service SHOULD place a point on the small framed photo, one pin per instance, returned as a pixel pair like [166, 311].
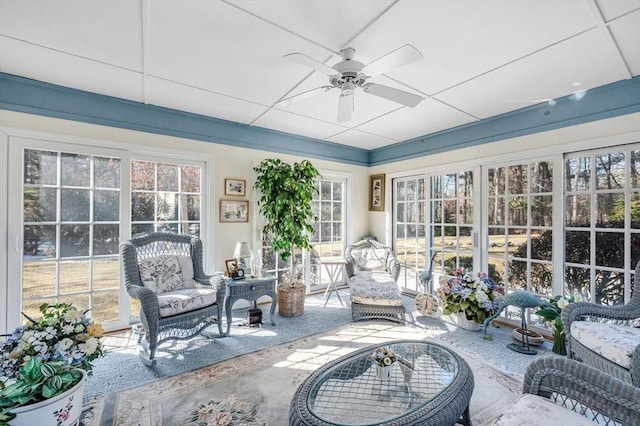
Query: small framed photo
[235, 187]
[234, 211]
[376, 193]
[230, 266]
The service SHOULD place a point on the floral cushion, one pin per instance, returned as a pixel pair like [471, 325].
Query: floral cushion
[188, 299]
[535, 410]
[163, 273]
[370, 259]
[374, 288]
[614, 342]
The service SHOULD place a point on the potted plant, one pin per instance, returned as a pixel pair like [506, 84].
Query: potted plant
[473, 300]
[285, 202]
[43, 366]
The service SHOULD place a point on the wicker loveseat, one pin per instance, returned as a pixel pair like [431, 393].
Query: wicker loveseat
[607, 337]
[177, 299]
[561, 391]
[373, 270]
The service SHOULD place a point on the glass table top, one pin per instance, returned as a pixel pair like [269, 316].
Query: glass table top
[349, 392]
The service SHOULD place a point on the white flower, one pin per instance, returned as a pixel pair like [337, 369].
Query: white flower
[72, 315]
[578, 297]
[52, 321]
[65, 344]
[79, 328]
[67, 328]
[562, 303]
[49, 333]
[90, 346]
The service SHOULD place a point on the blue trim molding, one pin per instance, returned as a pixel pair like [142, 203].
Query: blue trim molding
[34, 97]
[615, 99]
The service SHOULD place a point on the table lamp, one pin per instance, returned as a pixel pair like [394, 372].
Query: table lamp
[241, 253]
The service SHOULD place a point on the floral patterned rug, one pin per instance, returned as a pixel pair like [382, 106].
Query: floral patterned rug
[256, 389]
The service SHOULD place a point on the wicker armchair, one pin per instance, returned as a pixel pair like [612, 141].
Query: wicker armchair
[607, 337]
[564, 391]
[177, 299]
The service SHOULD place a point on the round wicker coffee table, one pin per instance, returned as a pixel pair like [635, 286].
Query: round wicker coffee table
[429, 384]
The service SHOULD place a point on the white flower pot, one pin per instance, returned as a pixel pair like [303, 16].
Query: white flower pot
[61, 410]
[461, 320]
[383, 372]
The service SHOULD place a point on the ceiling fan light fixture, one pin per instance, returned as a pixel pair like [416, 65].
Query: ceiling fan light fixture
[348, 88]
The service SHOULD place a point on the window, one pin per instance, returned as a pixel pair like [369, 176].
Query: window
[452, 220]
[165, 197]
[520, 234]
[409, 226]
[602, 223]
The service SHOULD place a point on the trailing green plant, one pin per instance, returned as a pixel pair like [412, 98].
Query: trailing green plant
[286, 194]
[37, 381]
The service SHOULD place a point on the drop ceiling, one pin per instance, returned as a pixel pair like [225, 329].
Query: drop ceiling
[224, 59]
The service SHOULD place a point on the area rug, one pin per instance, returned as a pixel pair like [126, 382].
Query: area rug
[256, 388]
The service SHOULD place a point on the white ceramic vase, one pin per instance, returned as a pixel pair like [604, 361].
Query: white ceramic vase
[61, 410]
[383, 372]
[462, 321]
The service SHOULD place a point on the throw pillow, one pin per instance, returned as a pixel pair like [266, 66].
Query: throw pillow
[161, 274]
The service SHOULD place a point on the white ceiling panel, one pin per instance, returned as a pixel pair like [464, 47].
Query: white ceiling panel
[105, 31]
[217, 47]
[428, 117]
[172, 95]
[361, 139]
[612, 9]
[491, 34]
[297, 124]
[591, 64]
[224, 58]
[626, 33]
[330, 23]
[38, 63]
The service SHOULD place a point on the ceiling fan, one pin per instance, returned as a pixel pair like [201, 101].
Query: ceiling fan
[349, 74]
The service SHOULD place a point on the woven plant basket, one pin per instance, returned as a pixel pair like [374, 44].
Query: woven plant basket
[291, 300]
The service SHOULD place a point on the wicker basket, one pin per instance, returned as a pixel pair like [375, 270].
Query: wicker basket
[291, 300]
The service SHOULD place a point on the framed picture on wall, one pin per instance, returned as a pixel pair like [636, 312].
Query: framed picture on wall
[376, 193]
[235, 187]
[234, 211]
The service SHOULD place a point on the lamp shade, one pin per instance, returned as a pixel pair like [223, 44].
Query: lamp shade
[242, 250]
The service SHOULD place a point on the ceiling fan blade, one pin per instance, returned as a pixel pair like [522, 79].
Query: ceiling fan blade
[301, 96]
[307, 61]
[395, 95]
[345, 107]
[401, 56]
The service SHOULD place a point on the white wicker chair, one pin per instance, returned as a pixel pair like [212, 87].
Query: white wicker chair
[595, 334]
[171, 315]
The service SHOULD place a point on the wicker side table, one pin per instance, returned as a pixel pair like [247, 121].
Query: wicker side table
[250, 289]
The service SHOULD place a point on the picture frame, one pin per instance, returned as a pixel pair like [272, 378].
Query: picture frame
[235, 187]
[376, 193]
[230, 265]
[234, 211]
